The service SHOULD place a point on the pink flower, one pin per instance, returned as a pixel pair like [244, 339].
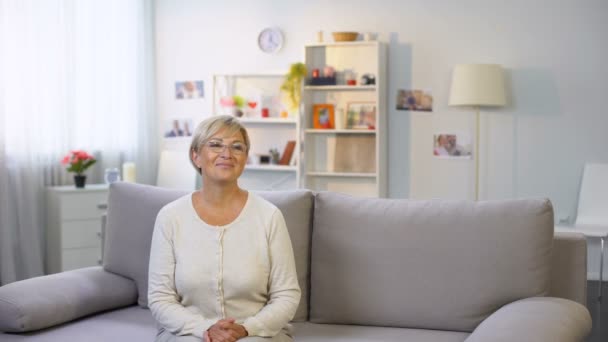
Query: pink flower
[78, 161]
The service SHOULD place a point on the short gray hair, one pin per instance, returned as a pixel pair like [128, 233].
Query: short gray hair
[209, 127]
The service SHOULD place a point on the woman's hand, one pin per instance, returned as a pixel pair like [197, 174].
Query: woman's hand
[225, 330]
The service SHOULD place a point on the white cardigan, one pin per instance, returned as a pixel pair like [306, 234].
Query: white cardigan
[201, 273]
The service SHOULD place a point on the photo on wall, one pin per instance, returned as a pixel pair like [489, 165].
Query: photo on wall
[189, 90]
[178, 127]
[452, 145]
[415, 100]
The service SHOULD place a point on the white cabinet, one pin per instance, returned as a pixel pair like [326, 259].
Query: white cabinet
[267, 128]
[348, 155]
[73, 236]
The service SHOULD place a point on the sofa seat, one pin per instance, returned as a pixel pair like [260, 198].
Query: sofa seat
[136, 324]
[313, 332]
[129, 324]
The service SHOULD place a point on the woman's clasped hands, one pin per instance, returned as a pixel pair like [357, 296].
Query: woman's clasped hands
[225, 330]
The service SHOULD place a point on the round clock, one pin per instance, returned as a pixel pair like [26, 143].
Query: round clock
[270, 40]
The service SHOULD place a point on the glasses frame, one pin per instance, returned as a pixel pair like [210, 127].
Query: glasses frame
[222, 147]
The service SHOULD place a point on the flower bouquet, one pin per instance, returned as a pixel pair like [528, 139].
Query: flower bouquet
[78, 162]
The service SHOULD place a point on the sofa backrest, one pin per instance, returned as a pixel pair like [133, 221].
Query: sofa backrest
[132, 210]
[425, 264]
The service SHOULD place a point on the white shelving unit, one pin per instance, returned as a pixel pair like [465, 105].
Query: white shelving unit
[74, 236]
[345, 160]
[264, 132]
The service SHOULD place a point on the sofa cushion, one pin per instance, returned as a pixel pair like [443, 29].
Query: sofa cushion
[311, 332]
[296, 207]
[129, 324]
[132, 210]
[41, 302]
[425, 264]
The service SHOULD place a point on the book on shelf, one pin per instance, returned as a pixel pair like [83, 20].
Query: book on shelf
[294, 160]
[287, 152]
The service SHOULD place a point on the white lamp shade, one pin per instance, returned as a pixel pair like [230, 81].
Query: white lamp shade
[477, 85]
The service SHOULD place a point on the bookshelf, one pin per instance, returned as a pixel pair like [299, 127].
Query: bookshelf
[340, 158]
[265, 133]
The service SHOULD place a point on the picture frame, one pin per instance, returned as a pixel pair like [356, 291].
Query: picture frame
[452, 145]
[178, 127]
[323, 116]
[361, 115]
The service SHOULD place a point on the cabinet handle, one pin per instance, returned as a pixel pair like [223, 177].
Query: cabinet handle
[102, 206]
[99, 262]
[99, 235]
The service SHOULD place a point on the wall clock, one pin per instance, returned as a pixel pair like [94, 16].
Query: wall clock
[270, 40]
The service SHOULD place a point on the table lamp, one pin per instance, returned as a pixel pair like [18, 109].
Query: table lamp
[477, 85]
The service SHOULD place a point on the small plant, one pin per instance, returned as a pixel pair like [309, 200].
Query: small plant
[78, 161]
[292, 86]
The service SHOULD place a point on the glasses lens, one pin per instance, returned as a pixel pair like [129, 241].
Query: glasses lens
[238, 148]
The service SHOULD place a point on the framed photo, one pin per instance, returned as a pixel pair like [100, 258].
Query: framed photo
[415, 100]
[452, 145]
[178, 127]
[189, 90]
[323, 116]
[361, 115]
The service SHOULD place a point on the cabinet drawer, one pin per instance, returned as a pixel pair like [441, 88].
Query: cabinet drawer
[80, 257]
[77, 206]
[81, 233]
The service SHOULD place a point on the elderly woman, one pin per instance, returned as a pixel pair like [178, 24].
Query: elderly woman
[222, 267]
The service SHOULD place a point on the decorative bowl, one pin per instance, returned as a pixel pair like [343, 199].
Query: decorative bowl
[345, 36]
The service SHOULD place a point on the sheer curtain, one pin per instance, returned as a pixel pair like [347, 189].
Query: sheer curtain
[73, 75]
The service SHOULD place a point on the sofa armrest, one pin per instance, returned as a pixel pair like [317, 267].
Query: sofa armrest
[46, 301]
[536, 319]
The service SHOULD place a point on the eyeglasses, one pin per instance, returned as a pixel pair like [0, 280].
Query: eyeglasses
[218, 147]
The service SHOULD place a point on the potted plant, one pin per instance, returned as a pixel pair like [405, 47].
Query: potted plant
[292, 86]
[78, 161]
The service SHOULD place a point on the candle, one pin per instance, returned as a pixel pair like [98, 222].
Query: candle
[128, 172]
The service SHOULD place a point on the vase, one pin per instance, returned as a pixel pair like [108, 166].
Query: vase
[80, 180]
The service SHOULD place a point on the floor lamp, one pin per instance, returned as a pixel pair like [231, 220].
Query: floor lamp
[477, 85]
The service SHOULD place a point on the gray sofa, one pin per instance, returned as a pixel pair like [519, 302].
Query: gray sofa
[369, 269]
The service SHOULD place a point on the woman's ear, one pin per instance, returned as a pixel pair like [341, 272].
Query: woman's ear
[195, 158]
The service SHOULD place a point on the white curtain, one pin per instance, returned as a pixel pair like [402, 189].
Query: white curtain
[74, 74]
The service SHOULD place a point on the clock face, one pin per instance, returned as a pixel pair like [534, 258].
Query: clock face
[270, 40]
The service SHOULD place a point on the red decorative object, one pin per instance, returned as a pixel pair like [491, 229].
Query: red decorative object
[265, 112]
[351, 82]
[315, 73]
[252, 104]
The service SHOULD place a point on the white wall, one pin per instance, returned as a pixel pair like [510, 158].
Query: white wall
[554, 51]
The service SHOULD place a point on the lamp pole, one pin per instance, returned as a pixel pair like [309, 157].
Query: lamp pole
[477, 154]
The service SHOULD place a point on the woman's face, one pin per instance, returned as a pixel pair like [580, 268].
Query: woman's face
[222, 158]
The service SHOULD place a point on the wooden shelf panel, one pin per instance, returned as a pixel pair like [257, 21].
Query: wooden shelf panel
[278, 168]
[341, 174]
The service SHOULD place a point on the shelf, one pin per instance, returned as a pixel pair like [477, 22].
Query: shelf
[355, 43]
[340, 131]
[341, 174]
[287, 121]
[278, 168]
[340, 87]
